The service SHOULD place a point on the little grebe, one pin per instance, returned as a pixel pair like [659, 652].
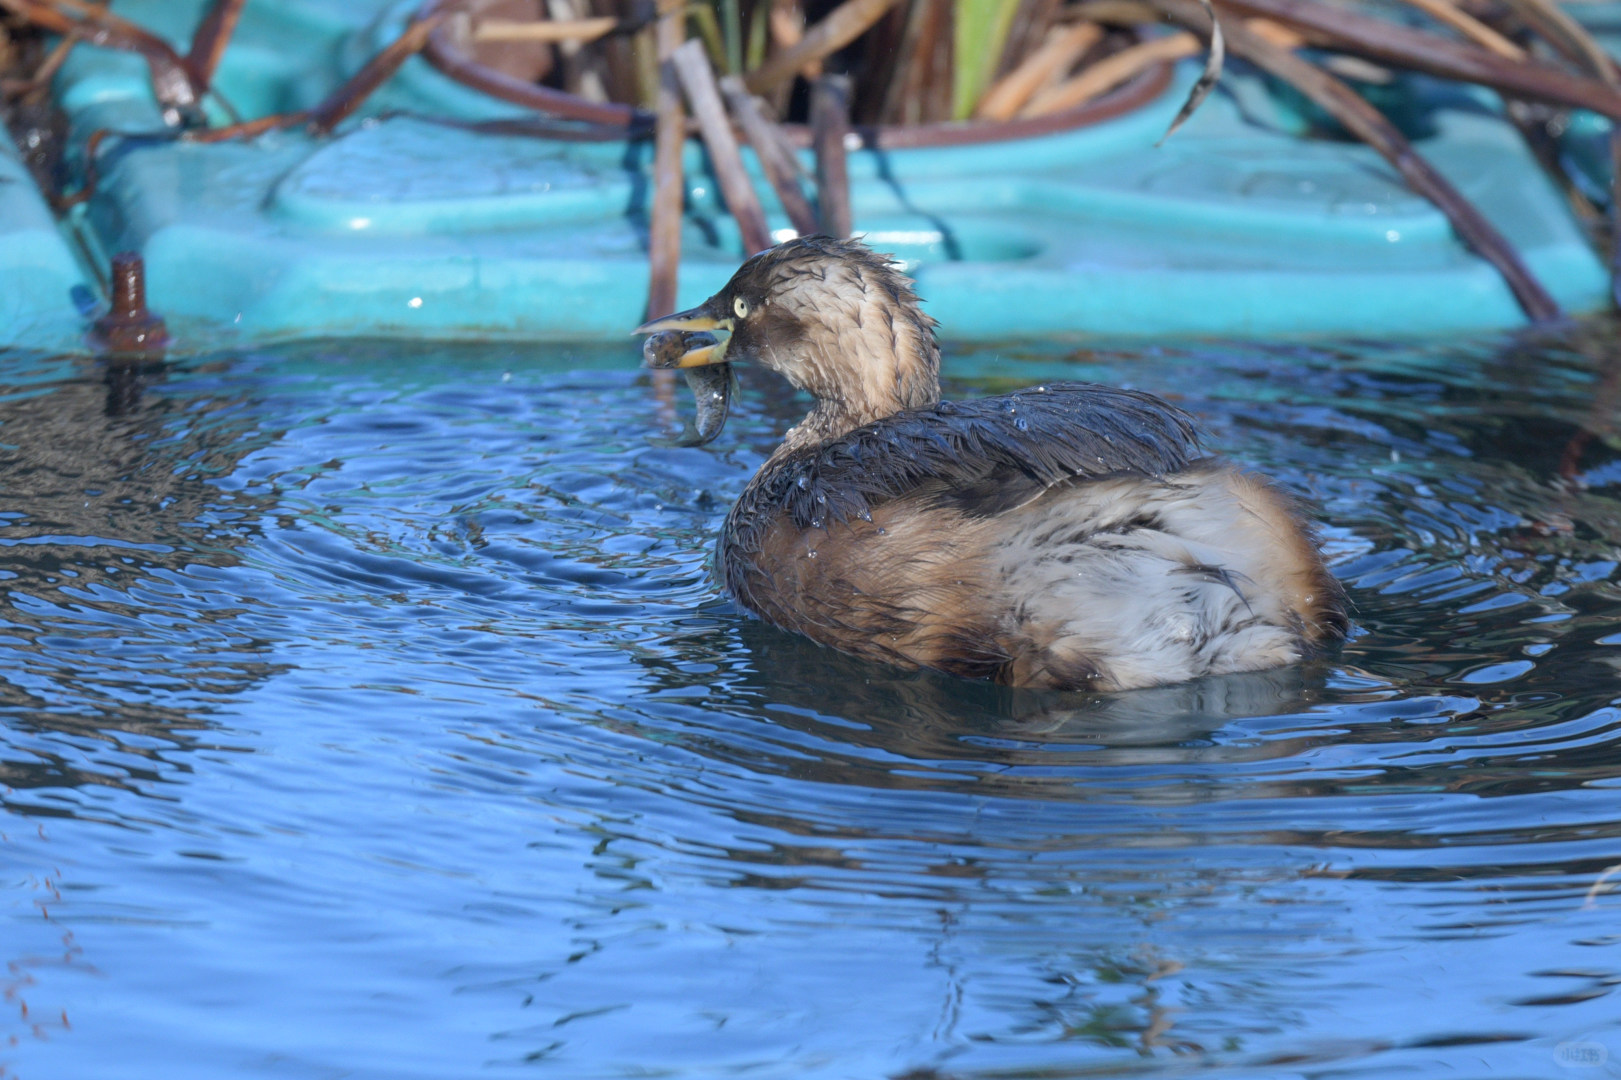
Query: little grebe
[1069, 535]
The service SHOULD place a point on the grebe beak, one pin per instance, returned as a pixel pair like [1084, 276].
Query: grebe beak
[686, 339]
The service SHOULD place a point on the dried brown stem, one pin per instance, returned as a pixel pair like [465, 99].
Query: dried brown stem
[1063, 47]
[1445, 11]
[830, 127]
[1115, 12]
[172, 83]
[698, 82]
[92, 173]
[645, 65]
[881, 58]
[919, 90]
[1281, 36]
[444, 52]
[1573, 40]
[545, 31]
[669, 183]
[776, 156]
[619, 70]
[1386, 42]
[582, 69]
[842, 25]
[38, 85]
[785, 24]
[1215, 61]
[1111, 71]
[247, 129]
[342, 102]
[1369, 125]
[1032, 26]
[1566, 35]
[209, 40]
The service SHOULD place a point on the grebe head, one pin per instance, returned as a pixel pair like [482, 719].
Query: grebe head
[832, 316]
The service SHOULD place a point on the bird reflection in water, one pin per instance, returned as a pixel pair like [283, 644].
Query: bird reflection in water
[1014, 737]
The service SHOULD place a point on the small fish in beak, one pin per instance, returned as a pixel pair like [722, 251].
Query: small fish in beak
[679, 349]
[711, 383]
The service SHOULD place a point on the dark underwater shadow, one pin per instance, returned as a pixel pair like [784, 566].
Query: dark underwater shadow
[851, 720]
[926, 708]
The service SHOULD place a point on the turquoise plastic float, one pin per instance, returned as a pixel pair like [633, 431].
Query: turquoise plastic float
[38, 272]
[406, 226]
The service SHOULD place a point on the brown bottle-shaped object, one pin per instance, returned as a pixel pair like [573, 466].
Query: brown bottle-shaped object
[128, 327]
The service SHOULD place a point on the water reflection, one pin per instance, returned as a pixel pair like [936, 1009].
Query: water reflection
[117, 625]
[116, 630]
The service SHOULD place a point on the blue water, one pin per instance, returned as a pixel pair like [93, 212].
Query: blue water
[368, 712]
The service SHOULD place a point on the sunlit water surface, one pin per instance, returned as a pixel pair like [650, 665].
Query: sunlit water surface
[369, 712]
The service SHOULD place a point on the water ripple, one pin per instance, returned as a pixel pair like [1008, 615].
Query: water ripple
[369, 711]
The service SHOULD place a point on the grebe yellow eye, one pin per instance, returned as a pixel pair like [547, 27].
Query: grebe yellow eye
[741, 306]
